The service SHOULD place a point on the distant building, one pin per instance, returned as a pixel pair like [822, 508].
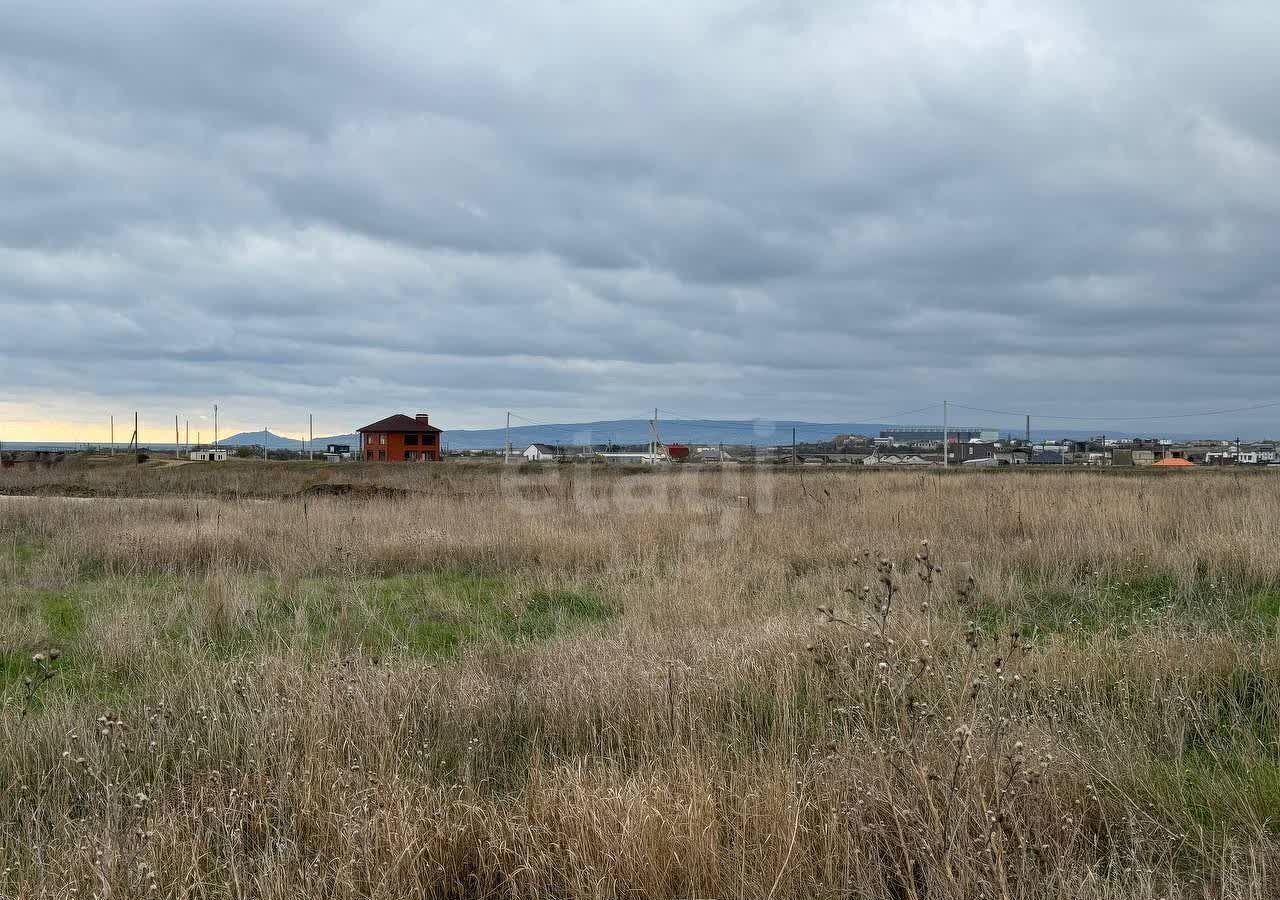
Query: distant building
[335, 453]
[895, 459]
[970, 452]
[1256, 457]
[846, 442]
[1013, 456]
[540, 453]
[208, 455]
[1138, 456]
[400, 438]
[915, 435]
[833, 458]
[1048, 457]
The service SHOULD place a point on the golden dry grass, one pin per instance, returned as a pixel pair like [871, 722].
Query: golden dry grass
[587, 684]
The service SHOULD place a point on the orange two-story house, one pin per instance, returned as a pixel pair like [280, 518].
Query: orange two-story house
[400, 438]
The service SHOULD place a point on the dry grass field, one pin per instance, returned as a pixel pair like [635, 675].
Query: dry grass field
[222, 681]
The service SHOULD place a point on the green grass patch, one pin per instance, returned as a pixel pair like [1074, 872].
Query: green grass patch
[424, 614]
[1089, 608]
[63, 615]
[548, 612]
[1124, 605]
[1225, 793]
[176, 620]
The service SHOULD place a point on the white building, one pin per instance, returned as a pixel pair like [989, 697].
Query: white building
[1256, 457]
[210, 455]
[540, 453]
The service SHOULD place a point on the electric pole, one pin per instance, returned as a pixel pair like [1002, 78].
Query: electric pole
[113, 435]
[945, 454]
[215, 426]
[177, 443]
[506, 457]
[311, 436]
[795, 456]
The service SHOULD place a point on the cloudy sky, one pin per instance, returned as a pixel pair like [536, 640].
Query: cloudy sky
[578, 210]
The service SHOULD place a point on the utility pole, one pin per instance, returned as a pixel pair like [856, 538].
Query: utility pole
[945, 454]
[177, 443]
[113, 435]
[506, 457]
[311, 435]
[215, 426]
[795, 457]
[265, 430]
[1028, 428]
[135, 442]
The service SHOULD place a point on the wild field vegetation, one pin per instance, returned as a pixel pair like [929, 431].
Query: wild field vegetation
[216, 682]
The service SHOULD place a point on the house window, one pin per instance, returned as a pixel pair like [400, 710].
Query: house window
[410, 456]
[382, 439]
[411, 440]
[382, 456]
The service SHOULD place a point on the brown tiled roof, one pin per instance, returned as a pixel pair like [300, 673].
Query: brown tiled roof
[400, 422]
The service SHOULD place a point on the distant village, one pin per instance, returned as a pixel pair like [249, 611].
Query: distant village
[923, 446]
[413, 439]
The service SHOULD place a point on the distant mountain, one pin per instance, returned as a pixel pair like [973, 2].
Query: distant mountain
[278, 442]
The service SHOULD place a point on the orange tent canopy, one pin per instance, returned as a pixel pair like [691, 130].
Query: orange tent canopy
[1172, 463]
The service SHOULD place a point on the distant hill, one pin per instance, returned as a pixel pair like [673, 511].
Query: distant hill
[279, 442]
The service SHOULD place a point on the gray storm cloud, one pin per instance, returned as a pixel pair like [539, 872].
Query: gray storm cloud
[815, 210]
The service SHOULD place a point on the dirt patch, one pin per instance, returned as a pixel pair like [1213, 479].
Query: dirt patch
[55, 490]
[356, 491]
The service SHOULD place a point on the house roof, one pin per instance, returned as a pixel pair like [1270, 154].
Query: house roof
[1173, 463]
[400, 422]
[541, 448]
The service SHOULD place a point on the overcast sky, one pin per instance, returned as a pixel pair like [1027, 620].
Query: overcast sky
[578, 210]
